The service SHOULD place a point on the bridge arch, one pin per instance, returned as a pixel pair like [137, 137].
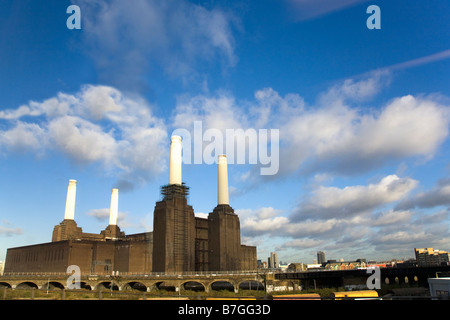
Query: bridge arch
[85, 285]
[53, 285]
[106, 285]
[5, 285]
[219, 285]
[135, 285]
[193, 285]
[166, 285]
[27, 285]
[250, 285]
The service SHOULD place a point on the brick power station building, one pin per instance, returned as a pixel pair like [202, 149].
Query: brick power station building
[180, 241]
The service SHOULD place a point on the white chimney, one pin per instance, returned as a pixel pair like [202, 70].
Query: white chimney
[114, 208]
[175, 160]
[69, 213]
[222, 180]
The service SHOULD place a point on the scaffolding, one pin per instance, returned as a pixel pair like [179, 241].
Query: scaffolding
[174, 191]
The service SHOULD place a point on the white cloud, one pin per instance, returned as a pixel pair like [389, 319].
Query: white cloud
[344, 140]
[360, 89]
[82, 140]
[403, 237]
[261, 221]
[23, 137]
[98, 124]
[391, 217]
[103, 214]
[304, 243]
[218, 112]
[98, 101]
[437, 196]
[352, 221]
[8, 230]
[313, 228]
[5, 231]
[337, 135]
[127, 42]
[333, 202]
[55, 106]
[105, 125]
[407, 126]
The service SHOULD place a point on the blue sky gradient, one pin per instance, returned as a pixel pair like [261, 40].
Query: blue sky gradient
[363, 117]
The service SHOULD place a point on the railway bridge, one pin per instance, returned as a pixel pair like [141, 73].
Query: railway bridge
[143, 282]
[233, 281]
[339, 278]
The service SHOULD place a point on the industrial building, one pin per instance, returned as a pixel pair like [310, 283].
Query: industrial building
[427, 257]
[180, 241]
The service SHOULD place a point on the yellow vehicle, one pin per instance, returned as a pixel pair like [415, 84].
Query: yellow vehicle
[355, 295]
[243, 298]
[305, 296]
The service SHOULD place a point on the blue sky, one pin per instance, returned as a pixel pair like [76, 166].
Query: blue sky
[363, 117]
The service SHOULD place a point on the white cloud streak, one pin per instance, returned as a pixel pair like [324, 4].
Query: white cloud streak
[442, 55]
[310, 9]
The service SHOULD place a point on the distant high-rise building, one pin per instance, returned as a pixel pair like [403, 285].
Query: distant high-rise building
[273, 260]
[321, 257]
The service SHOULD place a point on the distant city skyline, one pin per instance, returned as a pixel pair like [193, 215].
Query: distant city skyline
[362, 114]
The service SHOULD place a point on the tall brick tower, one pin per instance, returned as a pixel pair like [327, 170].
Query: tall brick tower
[224, 233]
[174, 221]
[68, 229]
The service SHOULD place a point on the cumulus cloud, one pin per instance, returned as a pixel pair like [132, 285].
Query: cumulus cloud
[303, 244]
[355, 89]
[98, 124]
[261, 221]
[437, 196]
[355, 220]
[219, 112]
[329, 202]
[23, 137]
[82, 140]
[338, 135]
[391, 217]
[392, 232]
[344, 141]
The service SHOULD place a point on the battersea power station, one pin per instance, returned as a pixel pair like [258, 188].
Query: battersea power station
[180, 241]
